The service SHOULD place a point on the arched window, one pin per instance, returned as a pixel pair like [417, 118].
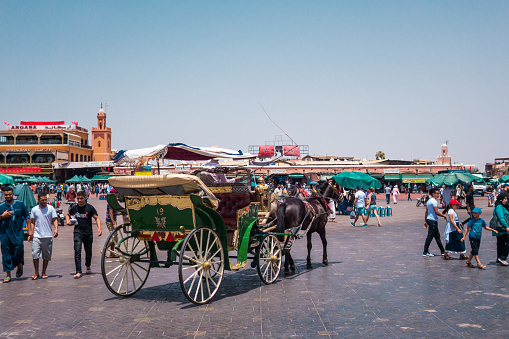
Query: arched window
[72, 157]
[98, 144]
[81, 157]
[100, 125]
[89, 158]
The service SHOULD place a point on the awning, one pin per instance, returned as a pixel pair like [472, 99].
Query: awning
[392, 177]
[377, 175]
[296, 175]
[101, 177]
[326, 176]
[415, 179]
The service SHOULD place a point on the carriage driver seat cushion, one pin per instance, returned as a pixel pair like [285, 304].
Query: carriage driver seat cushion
[229, 204]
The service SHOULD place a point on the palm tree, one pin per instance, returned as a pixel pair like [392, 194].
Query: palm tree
[380, 155]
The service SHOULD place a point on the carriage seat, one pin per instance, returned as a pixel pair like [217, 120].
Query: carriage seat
[229, 204]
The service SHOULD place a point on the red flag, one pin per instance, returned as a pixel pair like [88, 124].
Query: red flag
[265, 151]
[291, 151]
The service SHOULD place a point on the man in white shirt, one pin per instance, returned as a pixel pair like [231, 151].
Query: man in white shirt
[359, 204]
[278, 192]
[40, 234]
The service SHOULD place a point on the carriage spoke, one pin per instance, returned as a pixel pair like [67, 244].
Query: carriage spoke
[201, 286]
[192, 282]
[191, 259]
[143, 268]
[116, 268]
[198, 245]
[121, 282]
[188, 267]
[193, 274]
[216, 272]
[207, 281]
[132, 268]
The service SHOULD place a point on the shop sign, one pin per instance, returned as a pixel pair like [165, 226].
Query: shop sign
[46, 127]
[24, 150]
[391, 170]
[414, 181]
[20, 170]
[98, 164]
[277, 171]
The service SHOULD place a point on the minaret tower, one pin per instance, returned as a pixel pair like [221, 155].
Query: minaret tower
[101, 138]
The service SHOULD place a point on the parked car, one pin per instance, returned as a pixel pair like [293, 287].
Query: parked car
[479, 188]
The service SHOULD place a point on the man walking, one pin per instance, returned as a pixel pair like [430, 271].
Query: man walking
[360, 205]
[41, 236]
[12, 215]
[83, 213]
[431, 222]
[469, 200]
[388, 194]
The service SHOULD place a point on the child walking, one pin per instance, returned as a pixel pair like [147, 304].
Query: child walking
[474, 231]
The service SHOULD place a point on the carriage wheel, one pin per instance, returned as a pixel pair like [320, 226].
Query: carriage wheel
[125, 275]
[269, 256]
[201, 265]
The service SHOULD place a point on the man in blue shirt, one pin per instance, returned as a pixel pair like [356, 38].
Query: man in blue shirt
[12, 215]
[431, 222]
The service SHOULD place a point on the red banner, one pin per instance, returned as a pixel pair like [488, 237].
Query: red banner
[291, 151]
[20, 170]
[265, 151]
[41, 123]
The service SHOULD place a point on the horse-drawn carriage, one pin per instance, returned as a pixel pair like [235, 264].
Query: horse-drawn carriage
[197, 225]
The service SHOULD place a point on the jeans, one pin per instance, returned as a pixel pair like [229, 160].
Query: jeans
[502, 246]
[87, 241]
[433, 232]
[387, 198]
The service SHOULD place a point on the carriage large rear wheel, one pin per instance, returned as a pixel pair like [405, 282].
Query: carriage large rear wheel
[201, 265]
[269, 256]
[125, 274]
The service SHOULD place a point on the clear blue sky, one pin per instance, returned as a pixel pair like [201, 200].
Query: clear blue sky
[345, 77]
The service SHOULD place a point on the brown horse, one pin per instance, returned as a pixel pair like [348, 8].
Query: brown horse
[311, 215]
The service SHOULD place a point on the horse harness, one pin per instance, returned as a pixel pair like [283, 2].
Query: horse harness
[296, 231]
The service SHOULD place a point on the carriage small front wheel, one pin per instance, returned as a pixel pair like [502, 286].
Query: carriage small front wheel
[125, 268]
[269, 256]
[201, 265]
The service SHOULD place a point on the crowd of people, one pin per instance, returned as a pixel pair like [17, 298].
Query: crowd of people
[456, 232]
[42, 226]
[42, 223]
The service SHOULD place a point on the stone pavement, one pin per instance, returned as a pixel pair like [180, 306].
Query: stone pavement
[376, 285]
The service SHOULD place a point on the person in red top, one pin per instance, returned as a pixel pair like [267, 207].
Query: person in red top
[71, 195]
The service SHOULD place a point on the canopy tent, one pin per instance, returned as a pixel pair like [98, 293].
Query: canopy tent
[354, 179]
[179, 151]
[27, 197]
[74, 179]
[296, 175]
[166, 184]
[6, 179]
[17, 189]
[453, 178]
[85, 179]
[504, 179]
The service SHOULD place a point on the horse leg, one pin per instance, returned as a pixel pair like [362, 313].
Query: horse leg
[325, 261]
[309, 250]
[287, 271]
[292, 264]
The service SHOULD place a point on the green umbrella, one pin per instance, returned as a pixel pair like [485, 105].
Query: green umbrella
[27, 197]
[504, 179]
[453, 178]
[6, 179]
[354, 179]
[85, 179]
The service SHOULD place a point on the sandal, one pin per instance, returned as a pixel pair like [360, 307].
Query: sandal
[89, 271]
[19, 272]
[35, 277]
[469, 264]
[463, 257]
[446, 257]
[77, 276]
[7, 280]
[481, 266]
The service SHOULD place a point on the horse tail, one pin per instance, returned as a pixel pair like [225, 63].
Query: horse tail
[280, 227]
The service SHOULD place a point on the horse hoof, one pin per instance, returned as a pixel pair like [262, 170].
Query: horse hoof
[287, 271]
[292, 267]
[325, 262]
[309, 265]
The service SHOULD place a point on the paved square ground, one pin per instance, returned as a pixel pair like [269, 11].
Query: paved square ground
[377, 284]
